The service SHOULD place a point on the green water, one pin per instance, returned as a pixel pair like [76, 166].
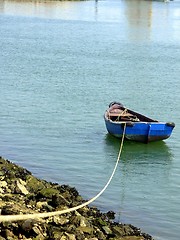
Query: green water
[61, 64]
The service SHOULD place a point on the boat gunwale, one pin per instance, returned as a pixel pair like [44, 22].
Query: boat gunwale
[172, 124]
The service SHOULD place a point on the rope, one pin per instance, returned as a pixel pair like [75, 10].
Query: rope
[123, 113]
[11, 218]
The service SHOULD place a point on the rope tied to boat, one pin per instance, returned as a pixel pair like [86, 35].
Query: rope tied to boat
[122, 114]
[11, 218]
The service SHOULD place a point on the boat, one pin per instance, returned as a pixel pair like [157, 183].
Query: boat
[138, 127]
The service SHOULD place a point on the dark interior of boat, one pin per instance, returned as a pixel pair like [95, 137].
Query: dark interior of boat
[117, 112]
[141, 117]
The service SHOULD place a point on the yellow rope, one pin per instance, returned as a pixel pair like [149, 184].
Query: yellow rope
[11, 218]
[121, 114]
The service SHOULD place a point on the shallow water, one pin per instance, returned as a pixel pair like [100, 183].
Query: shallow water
[61, 64]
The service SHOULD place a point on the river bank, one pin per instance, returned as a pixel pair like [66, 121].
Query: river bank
[22, 193]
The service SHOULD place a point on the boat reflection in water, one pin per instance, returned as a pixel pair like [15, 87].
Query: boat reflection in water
[135, 150]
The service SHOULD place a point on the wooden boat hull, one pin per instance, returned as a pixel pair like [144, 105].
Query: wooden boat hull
[139, 131]
[142, 131]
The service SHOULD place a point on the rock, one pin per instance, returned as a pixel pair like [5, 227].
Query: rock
[3, 184]
[34, 185]
[60, 220]
[41, 204]
[111, 215]
[21, 188]
[55, 232]
[119, 231]
[63, 238]
[27, 225]
[1, 191]
[70, 236]
[22, 182]
[100, 235]
[101, 222]
[88, 230]
[10, 209]
[39, 232]
[21, 193]
[9, 234]
[107, 230]
[2, 175]
[47, 193]
[58, 200]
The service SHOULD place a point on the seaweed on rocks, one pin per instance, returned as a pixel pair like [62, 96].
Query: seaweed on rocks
[22, 193]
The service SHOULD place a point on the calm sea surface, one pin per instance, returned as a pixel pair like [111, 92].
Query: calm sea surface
[61, 63]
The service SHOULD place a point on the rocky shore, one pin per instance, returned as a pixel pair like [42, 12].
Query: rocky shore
[22, 193]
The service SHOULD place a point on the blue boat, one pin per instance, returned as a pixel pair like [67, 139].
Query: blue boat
[138, 127]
